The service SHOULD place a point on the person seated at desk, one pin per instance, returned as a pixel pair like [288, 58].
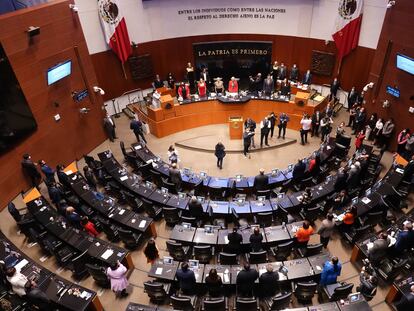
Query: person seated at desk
[340, 200]
[294, 73]
[175, 176]
[184, 91]
[405, 239]
[306, 199]
[202, 88]
[303, 234]
[268, 85]
[245, 281]
[218, 86]
[235, 241]
[157, 82]
[233, 85]
[268, 282]
[261, 181]
[330, 271]
[186, 279]
[378, 250]
[89, 226]
[349, 219]
[307, 78]
[407, 301]
[298, 171]
[256, 239]
[17, 281]
[285, 88]
[214, 284]
[195, 208]
[368, 285]
[315, 165]
[72, 217]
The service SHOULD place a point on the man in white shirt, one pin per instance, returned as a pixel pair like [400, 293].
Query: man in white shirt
[17, 281]
[306, 123]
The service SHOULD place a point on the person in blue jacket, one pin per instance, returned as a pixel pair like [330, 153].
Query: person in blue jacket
[331, 270]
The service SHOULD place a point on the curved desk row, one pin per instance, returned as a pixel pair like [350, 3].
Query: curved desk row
[109, 209]
[180, 117]
[98, 250]
[297, 269]
[58, 290]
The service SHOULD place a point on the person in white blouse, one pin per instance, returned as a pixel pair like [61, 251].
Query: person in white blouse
[378, 130]
[306, 124]
[172, 154]
[17, 280]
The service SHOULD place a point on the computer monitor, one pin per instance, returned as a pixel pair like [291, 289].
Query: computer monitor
[290, 167]
[261, 198]
[328, 178]
[186, 225]
[168, 260]
[203, 175]
[354, 200]
[148, 184]
[182, 195]
[354, 297]
[280, 195]
[368, 192]
[201, 199]
[208, 229]
[349, 162]
[164, 190]
[241, 200]
[275, 171]
[186, 171]
[193, 264]
[239, 177]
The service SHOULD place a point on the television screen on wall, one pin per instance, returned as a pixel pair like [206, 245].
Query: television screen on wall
[59, 72]
[405, 63]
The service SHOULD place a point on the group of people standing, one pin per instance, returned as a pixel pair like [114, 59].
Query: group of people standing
[319, 123]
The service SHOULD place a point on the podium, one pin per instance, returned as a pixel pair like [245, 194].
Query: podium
[167, 106]
[302, 97]
[166, 91]
[236, 127]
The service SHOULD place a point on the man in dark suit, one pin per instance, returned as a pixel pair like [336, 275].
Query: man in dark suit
[268, 282]
[235, 241]
[307, 78]
[334, 88]
[195, 208]
[29, 168]
[205, 76]
[282, 72]
[409, 170]
[186, 279]
[175, 176]
[261, 181]
[157, 82]
[407, 301]
[245, 281]
[404, 239]
[264, 131]
[379, 249]
[360, 118]
[316, 120]
[137, 127]
[294, 73]
[272, 119]
[256, 239]
[62, 177]
[298, 171]
[109, 126]
[340, 183]
[352, 97]
[283, 121]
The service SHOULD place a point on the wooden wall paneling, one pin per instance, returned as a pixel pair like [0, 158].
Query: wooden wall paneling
[75, 134]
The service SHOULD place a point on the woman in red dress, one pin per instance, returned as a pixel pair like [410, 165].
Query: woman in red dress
[202, 88]
[359, 140]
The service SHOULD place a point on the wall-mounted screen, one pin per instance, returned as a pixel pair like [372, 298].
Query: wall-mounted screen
[405, 63]
[393, 91]
[59, 72]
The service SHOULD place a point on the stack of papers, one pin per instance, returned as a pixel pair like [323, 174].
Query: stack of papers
[366, 200]
[158, 271]
[108, 253]
[142, 223]
[123, 178]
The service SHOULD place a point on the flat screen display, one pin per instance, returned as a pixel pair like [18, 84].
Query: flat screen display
[59, 72]
[393, 91]
[405, 63]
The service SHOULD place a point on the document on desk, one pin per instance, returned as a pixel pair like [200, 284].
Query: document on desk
[121, 212]
[365, 200]
[123, 178]
[138, 147]
[399, 170]
[21, 264]
[108, 253]
[158, 271]
[226, 278]
[370, 245]
[142, 223]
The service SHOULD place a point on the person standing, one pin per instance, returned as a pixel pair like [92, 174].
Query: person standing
[117, 276]
[247, 138]
[275, 71]
[172, 154]
[264, 131]
[184, 91]
[409, 148]
[137, 127]
[157, 82]
[406, 303]
[282, 72]
[251, 125]
[233, 85]
[261, 181]
[359, 140]
[369, 129]
[283, 121]
[205, 76]
[335, 85]
[330, 271]
[235, 241]
[175, 176]
[379, 125]
[402, 140]
[360, 120]
[303, 234]
[268, 85]
[220, 153]
[316, 120]
[387, 132]
[202, 88]
[306, 123]
[307, 78]
[89, 226]
[326, 229]
[189, 70]
[47, 171]
[195, 209]
[218, 86]
[268, 282]
[298, 171]
[379, 248]
[294, 73]
[245, 281]
[186, 279]
[255, 240]
[352, 97]
[272, 119]
[214, 284]
[151, 251]
[352, 113]
[325, 127]
[29, 168]
[109, 126]
[171, 81]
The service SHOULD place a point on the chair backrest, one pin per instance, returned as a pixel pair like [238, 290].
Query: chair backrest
[125, 235]
[190, 220]
[97, 274]
[249, 304]
[284, 250]
[342, 292]
[264, 193]
[214, 304]
[306, 288]
[373, 218]
[202, 249]
[175, 249]
[181, 303]
[264, 219]
[281, 301]
[313, 249]
[227, 259]
[171, 213]
[79, 265]
[359, 232]
[257, 257]
[14, 212]
[153, 288]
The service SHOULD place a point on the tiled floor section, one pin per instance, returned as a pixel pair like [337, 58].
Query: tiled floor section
[199, 161]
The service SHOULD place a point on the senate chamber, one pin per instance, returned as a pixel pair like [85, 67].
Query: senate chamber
[206, 155]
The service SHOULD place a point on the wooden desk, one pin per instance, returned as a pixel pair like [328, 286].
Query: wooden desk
[201, 113]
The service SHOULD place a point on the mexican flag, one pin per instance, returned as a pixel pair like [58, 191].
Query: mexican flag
[347, 26]
[114, 28]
